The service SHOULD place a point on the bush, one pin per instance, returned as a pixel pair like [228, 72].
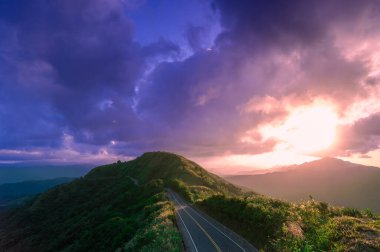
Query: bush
[180, 187]
[353, 212]
[368, 212]
[257, 219]
[275, 225]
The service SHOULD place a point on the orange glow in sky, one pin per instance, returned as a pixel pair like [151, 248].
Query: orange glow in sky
[306, 130]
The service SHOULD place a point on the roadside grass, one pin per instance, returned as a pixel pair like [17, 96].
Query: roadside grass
[103, 211]
[275, 225]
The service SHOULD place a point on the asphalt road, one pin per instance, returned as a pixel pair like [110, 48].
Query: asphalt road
[202, 233]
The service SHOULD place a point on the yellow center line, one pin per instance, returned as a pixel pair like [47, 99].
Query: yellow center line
[192, 209]
[199, 225]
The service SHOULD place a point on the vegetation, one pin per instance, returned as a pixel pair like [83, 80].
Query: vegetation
[275, 225]
[169, 167]
[108, 211]
[104, 211]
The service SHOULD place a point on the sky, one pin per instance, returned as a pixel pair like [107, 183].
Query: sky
[231, 84]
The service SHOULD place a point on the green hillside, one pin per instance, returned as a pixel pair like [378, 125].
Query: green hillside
[106, 210]
[123, 207]
[168, 167]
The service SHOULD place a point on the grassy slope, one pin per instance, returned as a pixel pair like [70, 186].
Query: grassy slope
[106, 211]
[275, 225]
[170, 167]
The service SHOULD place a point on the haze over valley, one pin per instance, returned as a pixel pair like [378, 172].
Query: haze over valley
[331, 180]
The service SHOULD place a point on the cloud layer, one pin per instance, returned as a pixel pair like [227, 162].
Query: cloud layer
[75, 72]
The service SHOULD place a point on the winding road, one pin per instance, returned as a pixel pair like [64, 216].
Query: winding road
[202, 233]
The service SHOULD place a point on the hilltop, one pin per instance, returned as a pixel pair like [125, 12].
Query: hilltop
[329, 179]
[115, 206]
[123, 207]
[172, 169]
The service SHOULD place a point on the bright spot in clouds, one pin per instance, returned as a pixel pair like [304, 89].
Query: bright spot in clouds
[306, 130]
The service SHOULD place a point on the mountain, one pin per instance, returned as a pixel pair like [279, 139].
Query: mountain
[118, 206]
[332, 180]
[170, 168]
[14, 193]
[124, 207]
[13, 173]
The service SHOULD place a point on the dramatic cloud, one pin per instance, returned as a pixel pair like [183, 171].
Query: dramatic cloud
[70, 67]
[85, 69]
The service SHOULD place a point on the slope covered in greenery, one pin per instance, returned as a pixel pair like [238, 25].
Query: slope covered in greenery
[275, 225]
[104, 211]
[123, 207]
[171, 169]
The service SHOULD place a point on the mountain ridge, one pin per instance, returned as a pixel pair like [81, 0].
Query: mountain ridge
[257, 171]
[13, 194]
[76, 216]
[107, 211]
[328, 179]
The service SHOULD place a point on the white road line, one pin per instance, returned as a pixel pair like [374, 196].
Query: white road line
[135, 181]
[191, 238]
[220, 231]
[199, 225]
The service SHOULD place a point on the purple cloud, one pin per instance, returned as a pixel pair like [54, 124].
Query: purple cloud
[78, 69]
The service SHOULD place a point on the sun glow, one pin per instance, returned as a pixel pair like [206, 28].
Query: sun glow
[305, 130]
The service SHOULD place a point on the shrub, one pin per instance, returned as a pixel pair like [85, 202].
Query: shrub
[368, 212]
[180, 187]
[353, 212]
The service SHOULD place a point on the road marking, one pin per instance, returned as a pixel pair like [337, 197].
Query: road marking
[220, 231]
[199, 225]
[191, 238]
[206, 233]
[135, 181]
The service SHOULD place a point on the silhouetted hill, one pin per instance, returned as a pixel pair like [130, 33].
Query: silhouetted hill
[332, 180]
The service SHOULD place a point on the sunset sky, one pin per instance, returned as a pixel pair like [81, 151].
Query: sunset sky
[231, 84]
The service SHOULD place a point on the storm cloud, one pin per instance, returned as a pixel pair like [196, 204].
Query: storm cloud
[75, 69]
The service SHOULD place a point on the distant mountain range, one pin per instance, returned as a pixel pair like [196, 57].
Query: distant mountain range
[13, 173]
[12, 194]
[329, 179]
